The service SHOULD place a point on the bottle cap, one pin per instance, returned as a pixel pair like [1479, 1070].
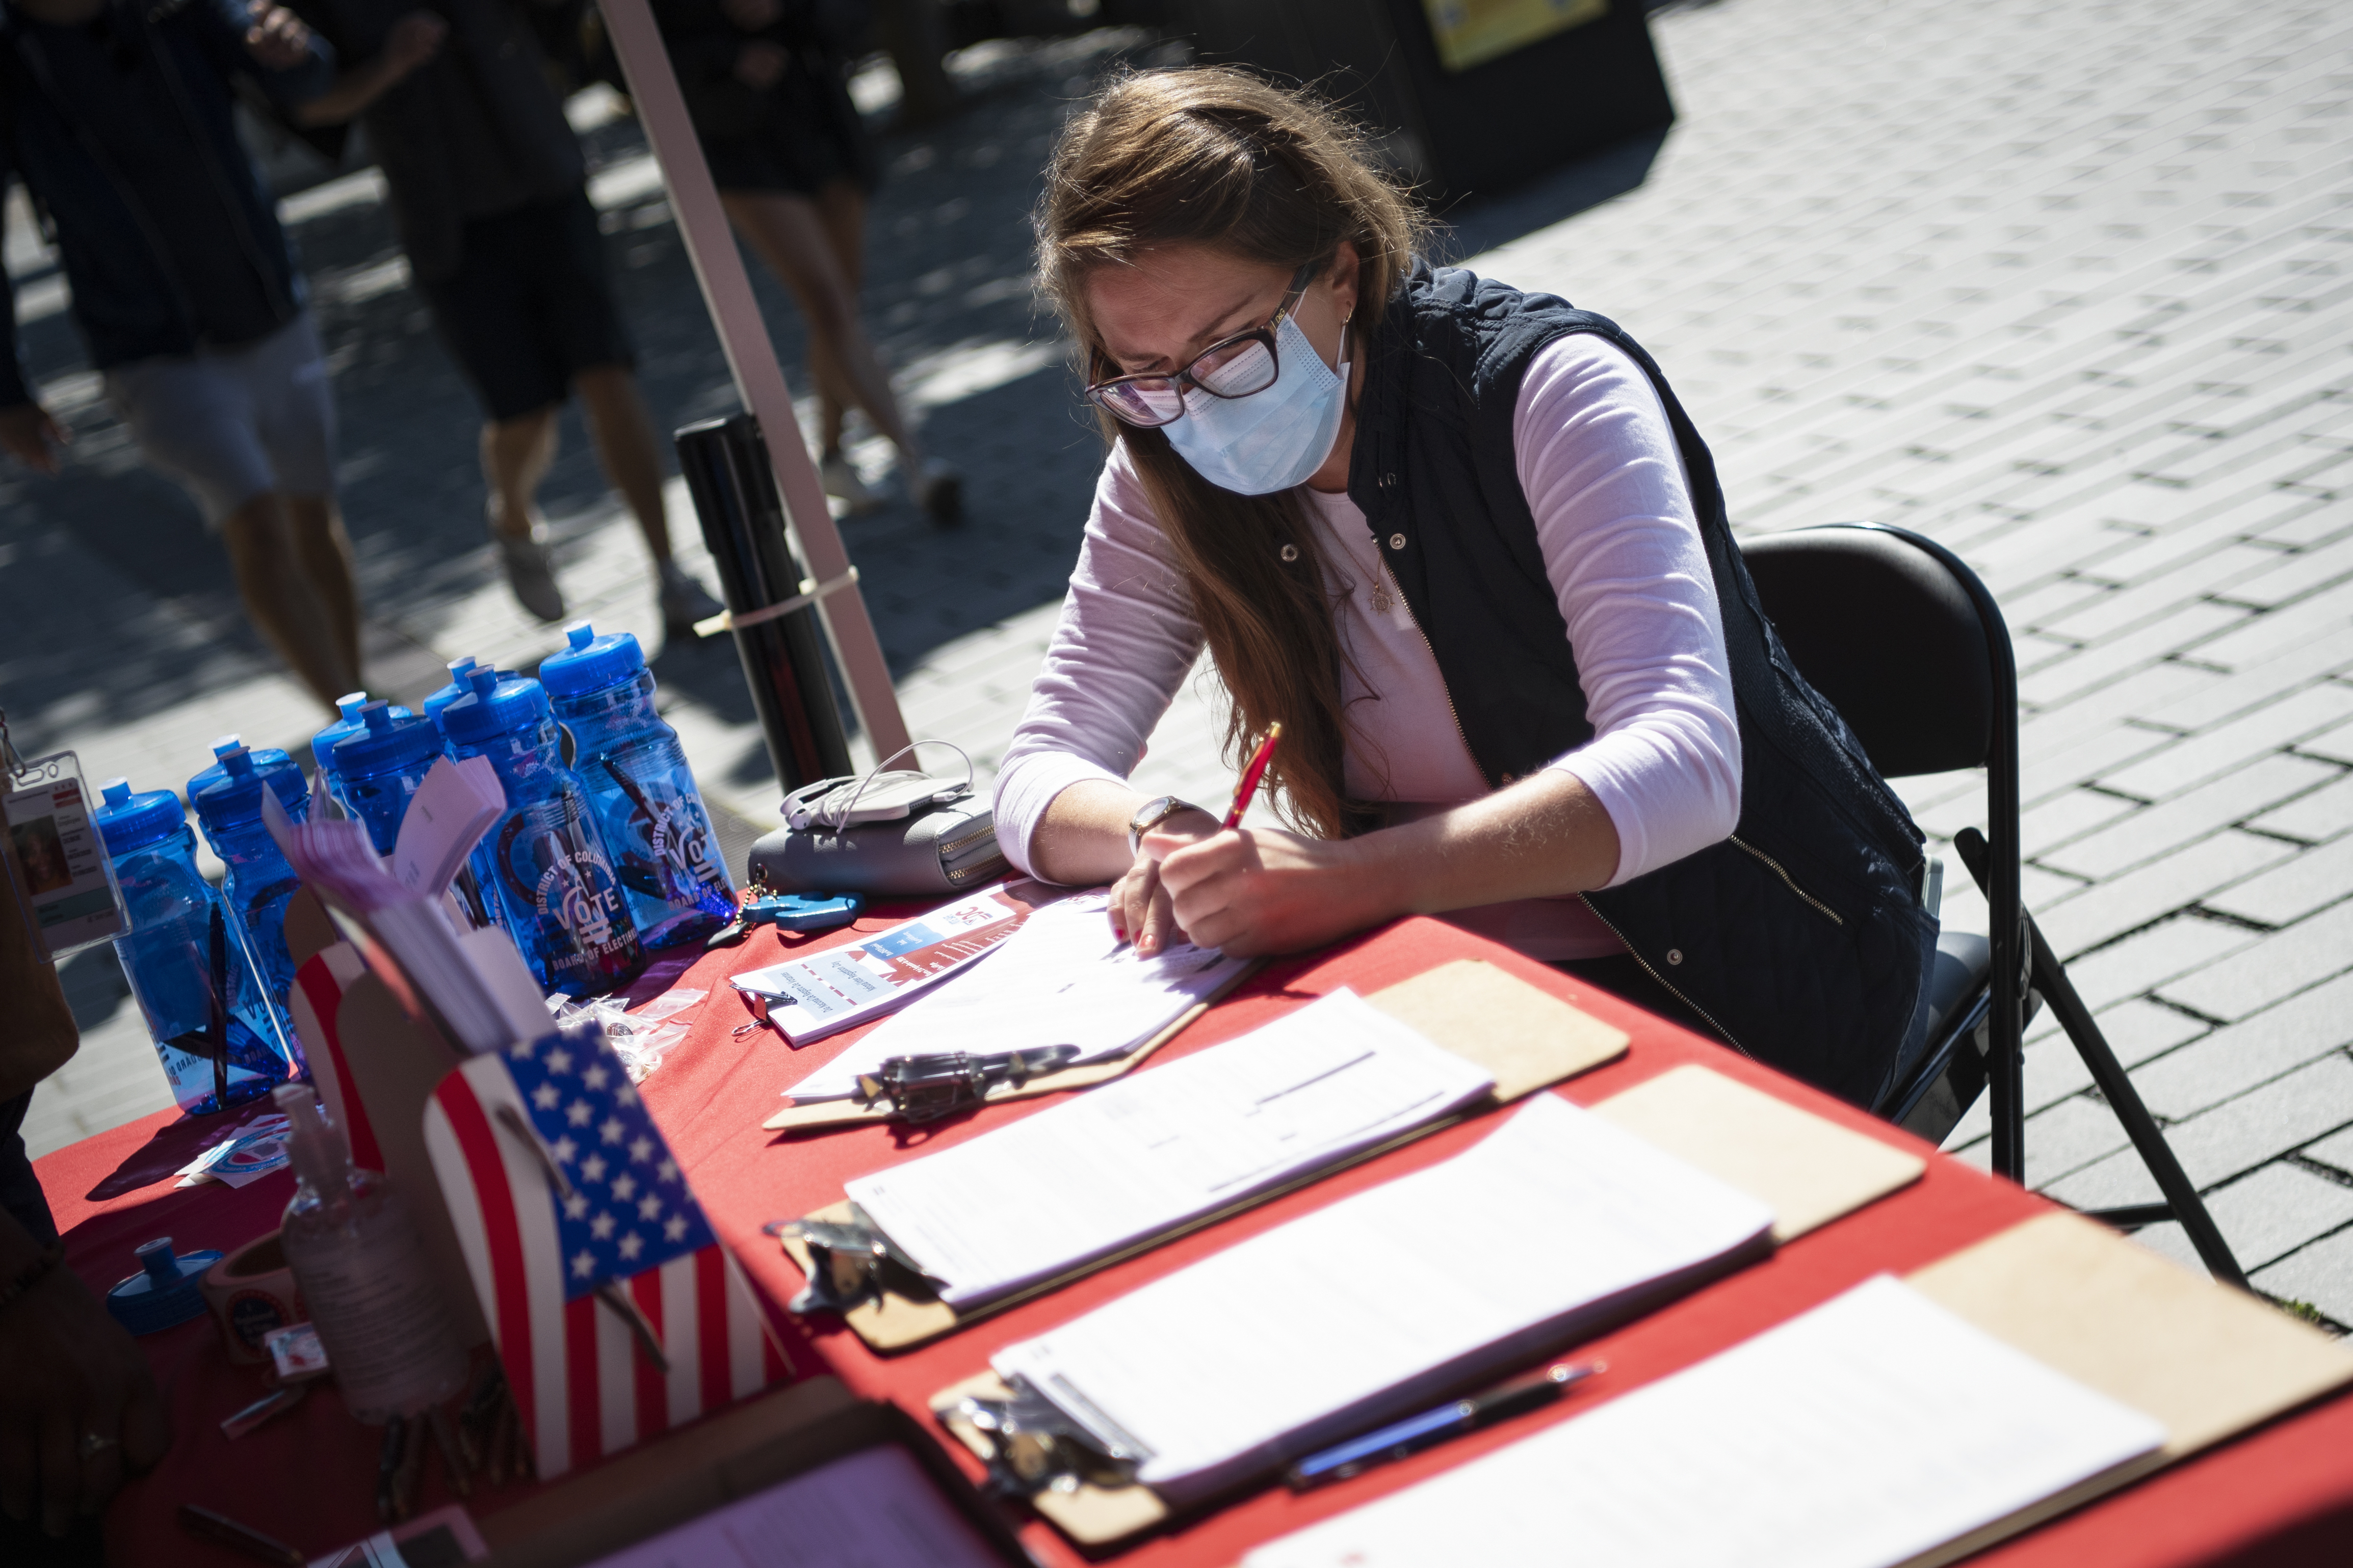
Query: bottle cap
[322, 745]
[591, 663]
[460, 668]
[388, 738]
[498, 704]
[128, 821]
[166, 1292]
[228, 794]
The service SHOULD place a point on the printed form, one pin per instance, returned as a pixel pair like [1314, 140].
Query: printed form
[1144, 1155]
[1872, 1429]
[1384, 1301]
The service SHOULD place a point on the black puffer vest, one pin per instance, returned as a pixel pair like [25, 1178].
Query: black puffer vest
[1802, 937]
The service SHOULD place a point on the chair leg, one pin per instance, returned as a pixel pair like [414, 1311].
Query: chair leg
[2181, 1200]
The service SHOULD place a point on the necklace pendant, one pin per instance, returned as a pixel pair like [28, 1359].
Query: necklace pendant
[1380, 598]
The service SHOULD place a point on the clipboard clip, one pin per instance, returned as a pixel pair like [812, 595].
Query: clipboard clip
[850, 1261]
[925, 1089]
[1037, 1445]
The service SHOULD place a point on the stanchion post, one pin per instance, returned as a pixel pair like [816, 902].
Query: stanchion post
[752, 358]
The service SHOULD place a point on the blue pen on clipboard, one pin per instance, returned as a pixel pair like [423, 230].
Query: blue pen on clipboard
[1431, 1428]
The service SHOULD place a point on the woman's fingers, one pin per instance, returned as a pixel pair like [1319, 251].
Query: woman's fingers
[1160, 925]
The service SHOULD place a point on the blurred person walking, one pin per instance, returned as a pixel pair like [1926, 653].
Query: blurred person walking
[767, 82]
[115, 115]
[489, 194]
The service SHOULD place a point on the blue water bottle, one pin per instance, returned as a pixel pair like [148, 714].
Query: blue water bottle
[228, 799]
[562, 906]
[459, 685]
[381, 765]
[222, 1040]
[322, 745]
[639, 786]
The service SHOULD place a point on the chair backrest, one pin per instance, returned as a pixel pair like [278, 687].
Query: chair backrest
[1878, 620]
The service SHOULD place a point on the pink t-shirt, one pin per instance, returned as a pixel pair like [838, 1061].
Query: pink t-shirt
[1622, 550]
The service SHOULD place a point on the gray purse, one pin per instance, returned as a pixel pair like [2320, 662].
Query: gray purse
[886, 835]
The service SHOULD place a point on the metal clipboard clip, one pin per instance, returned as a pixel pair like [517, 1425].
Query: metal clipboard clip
[924, 1089]
[1038, 1446]
[850, 1261]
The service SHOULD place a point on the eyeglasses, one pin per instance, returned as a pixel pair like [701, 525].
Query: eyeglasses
[1232, 367]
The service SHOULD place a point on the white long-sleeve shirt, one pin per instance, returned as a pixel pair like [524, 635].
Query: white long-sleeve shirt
[1621, 549]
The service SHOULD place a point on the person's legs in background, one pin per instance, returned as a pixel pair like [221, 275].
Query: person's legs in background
[282, 598]
[789, 234]
[516, 454]
[325, 550]
[623, 432]
[841, 207]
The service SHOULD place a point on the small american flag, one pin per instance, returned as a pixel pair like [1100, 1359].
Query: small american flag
[588, 1251]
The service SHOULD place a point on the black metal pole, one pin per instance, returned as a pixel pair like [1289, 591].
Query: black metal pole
[726, 465]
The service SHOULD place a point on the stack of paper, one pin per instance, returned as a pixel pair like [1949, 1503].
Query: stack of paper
[1553, 1226]
[1140, 1157]
[1063, 979]
[842, 987]
[1873, 1429]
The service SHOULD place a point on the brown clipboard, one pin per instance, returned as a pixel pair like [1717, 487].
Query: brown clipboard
[1524, 1037]
[825, 1115]
[1809, 1171]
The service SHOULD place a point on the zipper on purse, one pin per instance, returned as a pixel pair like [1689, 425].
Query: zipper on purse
[1788, 881]
[1670, 985]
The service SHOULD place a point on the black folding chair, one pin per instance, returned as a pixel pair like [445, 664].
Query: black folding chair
[1908, 644]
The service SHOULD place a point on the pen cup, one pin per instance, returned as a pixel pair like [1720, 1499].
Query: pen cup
[252, 1295]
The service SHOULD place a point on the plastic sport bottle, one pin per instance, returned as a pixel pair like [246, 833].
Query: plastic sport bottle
[322, 745]
[227, 800]
[460, 668]
[563, 906]
[641, 788]
[354, 1250]
[222, 1040]
[382, 764]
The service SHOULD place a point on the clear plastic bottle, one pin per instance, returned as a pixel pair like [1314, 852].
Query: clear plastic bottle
[638, 784]
[563, 906]
[322, 745]
[354, 1250]
[222, 1040]
[228, 801]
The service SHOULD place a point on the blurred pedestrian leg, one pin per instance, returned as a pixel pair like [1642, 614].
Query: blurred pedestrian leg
[293, 566]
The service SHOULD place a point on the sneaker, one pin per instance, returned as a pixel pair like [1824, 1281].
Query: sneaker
[685, 601]
[841, 479]
[940, 492]
[531, 574]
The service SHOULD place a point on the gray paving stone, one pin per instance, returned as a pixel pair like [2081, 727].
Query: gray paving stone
[2146, 960]
[2336, 744]
[2258, 1049]
[2283, 722]
[2228, 1139]
[2064, 817]
[2262, 1218]
[2192, 875]
[2162, 829]
[2299, 664]
[2335, 1151]
[2321, 1274]
[2312, 879]
[2292, 576]
[2324, 813]
[2276, 965]
[2077, 673]
[2067, 1137]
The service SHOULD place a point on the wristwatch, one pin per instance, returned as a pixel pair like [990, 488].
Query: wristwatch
[1151, 815]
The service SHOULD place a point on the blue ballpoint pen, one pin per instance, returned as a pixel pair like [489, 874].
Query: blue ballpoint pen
[1415, 1432]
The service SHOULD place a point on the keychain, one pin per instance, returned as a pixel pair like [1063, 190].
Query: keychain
[64, 880]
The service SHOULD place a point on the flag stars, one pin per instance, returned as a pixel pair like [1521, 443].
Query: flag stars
[667, 1170]
[613, 1130]
[575, 1207]
[625, 1187]
[558, 1060]
[650, 1207]
[630, 1245]
[625, 1095]
[601, 1228]
[521, 1052]
[595, 1077]
[641, 1147]
[674, 1228]
[579, 1112]
[565, 1150]
[584, 1263]
[546, 1096]
[593, 1167]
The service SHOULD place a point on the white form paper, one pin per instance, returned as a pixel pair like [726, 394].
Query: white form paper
[1876, 1427]
[1142, 1155]
[1376, 1305]
[873, 1510]
[1061, 979]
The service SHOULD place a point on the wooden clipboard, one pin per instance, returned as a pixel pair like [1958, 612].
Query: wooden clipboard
[1524, 1037]
[1809, 1171]
[824, 1115]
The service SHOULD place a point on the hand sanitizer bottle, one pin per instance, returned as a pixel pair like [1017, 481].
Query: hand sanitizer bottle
[354, 1252]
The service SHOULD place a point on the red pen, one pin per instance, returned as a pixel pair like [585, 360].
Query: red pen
[1247, 791]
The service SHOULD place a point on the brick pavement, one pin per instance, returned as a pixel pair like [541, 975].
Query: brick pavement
[2064, 287]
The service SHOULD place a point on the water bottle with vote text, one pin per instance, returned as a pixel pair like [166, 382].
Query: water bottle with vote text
[227, 800]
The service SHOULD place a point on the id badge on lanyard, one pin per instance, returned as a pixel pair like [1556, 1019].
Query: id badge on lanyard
[65, 879]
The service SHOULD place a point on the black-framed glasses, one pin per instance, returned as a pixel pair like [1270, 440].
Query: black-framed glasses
[1231, 367]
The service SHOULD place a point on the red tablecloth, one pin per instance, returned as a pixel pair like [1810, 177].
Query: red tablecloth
[2282, 1495]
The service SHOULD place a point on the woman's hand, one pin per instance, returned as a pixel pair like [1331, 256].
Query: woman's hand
[1257, 890]
[79, 1408]
[1139, 902]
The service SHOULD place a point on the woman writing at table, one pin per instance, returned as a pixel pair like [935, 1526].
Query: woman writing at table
[1464, 545]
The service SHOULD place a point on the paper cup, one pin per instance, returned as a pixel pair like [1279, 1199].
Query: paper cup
[252, 1295]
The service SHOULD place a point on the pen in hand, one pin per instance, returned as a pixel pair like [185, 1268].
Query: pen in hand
[1252, 775]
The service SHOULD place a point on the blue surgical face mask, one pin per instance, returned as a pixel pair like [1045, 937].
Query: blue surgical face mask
[1270, 440]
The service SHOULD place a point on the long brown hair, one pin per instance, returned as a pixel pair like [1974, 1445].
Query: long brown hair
[1213, 155]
